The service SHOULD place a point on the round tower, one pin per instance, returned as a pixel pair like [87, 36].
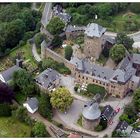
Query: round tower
[91, 116]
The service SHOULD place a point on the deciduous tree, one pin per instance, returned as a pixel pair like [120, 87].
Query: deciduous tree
[55, 26]
[61, 99]
[117, 52]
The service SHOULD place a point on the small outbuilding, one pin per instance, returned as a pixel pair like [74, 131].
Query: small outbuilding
[31, 105]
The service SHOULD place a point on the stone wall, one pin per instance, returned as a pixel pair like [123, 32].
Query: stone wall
[46, 53]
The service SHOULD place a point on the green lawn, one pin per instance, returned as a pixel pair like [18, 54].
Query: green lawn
[12, 128]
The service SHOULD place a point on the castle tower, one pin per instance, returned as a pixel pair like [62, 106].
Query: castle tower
[93, 40]
[91, 116]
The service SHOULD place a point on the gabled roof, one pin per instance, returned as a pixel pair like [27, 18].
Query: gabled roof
[33, 103]
[125, 70]
[92, 112]
[122, 125]
[7, 74]
[47, 77]
[107, 111]
[136, 58]
[92, 69]
[71, 28]
[94, 30]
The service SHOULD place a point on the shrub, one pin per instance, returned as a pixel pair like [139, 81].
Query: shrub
[94, 89]
[68, 52]
[5, 110]
[75, 88]
[98, 128]
[45, 108]
[39, 130]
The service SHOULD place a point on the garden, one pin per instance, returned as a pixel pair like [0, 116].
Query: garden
[90, 90]
[24, 52]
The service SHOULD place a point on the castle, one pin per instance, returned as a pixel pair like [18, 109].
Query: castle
[117, 82]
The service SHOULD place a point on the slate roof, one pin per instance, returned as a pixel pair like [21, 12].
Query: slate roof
[94, 70]
[58, 11]
[94, 30]
[33, 103]
[107, 111]
[64, 17]
[47, 77]
[125, 70]
[109, 39]
[136, 58]
[91, 112]
[7, 74]
[78, 62]
[123, 126]
[71, 28]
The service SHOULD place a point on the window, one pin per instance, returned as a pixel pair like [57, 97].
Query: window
[83, 77]
[86, 78]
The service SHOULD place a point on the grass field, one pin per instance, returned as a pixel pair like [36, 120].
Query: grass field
[12, 128]
[119, 21]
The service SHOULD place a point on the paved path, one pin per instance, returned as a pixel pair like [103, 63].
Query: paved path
[135, 36]
[35, 54]
[68, 82]
[47, 123]
[47, 14]
[34, 6]
[70, 118]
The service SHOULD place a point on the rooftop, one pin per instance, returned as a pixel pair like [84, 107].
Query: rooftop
[91, 111]
[94, 30]
[47, 77]
[33, 103]
[7, 74]
[74, 28]
[107, 111]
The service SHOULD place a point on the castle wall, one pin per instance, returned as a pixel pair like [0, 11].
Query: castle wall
[114, 89]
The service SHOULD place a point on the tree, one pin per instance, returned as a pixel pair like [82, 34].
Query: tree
[117, 52]
[122, 38]
[57, 41]
[6, 93]
[24, 82]
[48, 63]
[135, 7]
[118, 134]
[68, 52]
[28, 19]
[136, 99]
[21, 114]
[45, 108]
[61, 99]
[38, 39]
[39, 130]
[5, 110]
[55, 26]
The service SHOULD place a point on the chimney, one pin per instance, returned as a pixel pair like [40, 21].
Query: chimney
[19, 62]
